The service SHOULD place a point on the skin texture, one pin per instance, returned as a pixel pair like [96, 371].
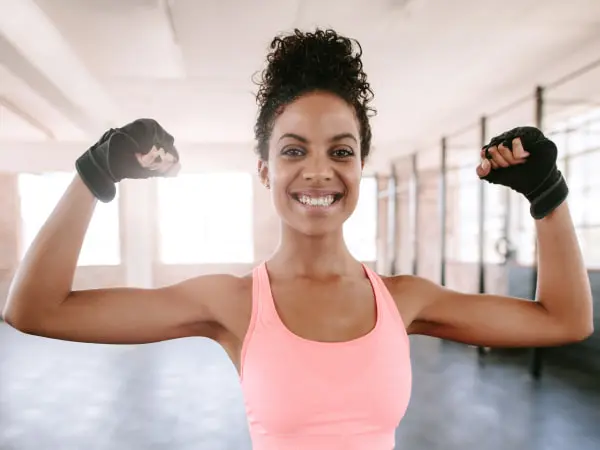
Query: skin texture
[320, 290]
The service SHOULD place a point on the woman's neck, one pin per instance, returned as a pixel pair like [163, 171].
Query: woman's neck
[312, 256]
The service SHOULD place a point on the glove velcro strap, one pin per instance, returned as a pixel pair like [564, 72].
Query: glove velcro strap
[95, 178]
[546, 200]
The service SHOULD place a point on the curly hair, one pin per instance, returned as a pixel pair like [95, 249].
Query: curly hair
[304, 62]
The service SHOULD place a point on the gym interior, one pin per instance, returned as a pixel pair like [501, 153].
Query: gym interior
[447, 76]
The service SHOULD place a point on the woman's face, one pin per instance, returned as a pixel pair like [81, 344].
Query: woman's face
[314, 166]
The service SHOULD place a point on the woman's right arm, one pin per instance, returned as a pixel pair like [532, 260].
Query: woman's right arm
[41, 300]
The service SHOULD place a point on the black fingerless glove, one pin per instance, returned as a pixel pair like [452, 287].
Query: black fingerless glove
[538, 179]
[113, 157]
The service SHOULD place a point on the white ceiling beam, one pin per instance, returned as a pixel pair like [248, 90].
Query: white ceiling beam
[176, 51]
[44, 59]
[20, 67]
[26, 117]
[14, 128]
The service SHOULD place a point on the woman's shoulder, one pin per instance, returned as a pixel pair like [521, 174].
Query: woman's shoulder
[402, 283]
[411, 293]
[227, 296]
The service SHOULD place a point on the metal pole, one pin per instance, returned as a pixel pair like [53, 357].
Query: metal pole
[414, 201]
[443, 201]
[481, 258]
[481, 243]
[536, 353]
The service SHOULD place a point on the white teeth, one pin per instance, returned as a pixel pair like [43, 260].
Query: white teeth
[316, 201]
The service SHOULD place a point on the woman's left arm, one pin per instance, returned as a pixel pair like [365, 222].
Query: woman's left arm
[562, 313]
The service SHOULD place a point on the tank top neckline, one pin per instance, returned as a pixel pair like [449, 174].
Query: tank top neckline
[267, 301]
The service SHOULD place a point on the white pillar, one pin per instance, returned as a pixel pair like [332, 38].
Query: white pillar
[138, 226]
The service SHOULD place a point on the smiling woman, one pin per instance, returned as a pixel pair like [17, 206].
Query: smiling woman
[314, 154]
[320, 341]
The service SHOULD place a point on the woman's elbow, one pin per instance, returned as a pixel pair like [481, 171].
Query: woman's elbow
[20, 320]
[579, 333]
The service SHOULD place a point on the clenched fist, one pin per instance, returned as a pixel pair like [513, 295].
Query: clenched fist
[140, 149]
[524, 160]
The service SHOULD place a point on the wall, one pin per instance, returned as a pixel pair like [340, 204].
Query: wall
[9, 229]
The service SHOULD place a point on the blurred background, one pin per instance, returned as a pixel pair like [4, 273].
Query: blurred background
[447, 77]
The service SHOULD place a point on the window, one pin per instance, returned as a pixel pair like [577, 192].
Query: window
[494, 226]
[206, 218]
[462, 215]
[39, 194]
[578, 139]
[360, 230]
[524, 234]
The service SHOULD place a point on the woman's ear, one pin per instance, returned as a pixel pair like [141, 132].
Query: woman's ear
[263, 173]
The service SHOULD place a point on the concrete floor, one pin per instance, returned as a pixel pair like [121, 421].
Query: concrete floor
[184, 395]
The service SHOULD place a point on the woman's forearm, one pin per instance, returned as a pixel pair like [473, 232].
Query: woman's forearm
[563, 283]
[45, 276]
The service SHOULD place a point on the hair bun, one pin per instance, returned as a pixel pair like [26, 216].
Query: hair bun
[303, 62]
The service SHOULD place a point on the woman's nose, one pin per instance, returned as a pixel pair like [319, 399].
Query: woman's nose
[318, 171]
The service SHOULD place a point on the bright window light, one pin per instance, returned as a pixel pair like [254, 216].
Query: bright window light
[360, 230]
[206, 218]
[39, 194]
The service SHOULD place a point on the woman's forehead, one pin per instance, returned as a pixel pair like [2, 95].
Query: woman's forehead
[320, 116]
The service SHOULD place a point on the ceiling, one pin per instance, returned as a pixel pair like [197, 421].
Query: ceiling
[69, 69]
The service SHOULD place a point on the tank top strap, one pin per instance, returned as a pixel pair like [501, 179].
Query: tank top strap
[263, 295]
[263, 304]
[259, 284]
[384, 299]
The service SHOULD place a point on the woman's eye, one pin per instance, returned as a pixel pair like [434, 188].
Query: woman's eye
[342, 153]
[293, 151]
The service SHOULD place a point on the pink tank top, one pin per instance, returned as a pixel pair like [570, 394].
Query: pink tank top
[308, 395]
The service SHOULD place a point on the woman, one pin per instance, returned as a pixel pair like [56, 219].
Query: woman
[319, 340]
